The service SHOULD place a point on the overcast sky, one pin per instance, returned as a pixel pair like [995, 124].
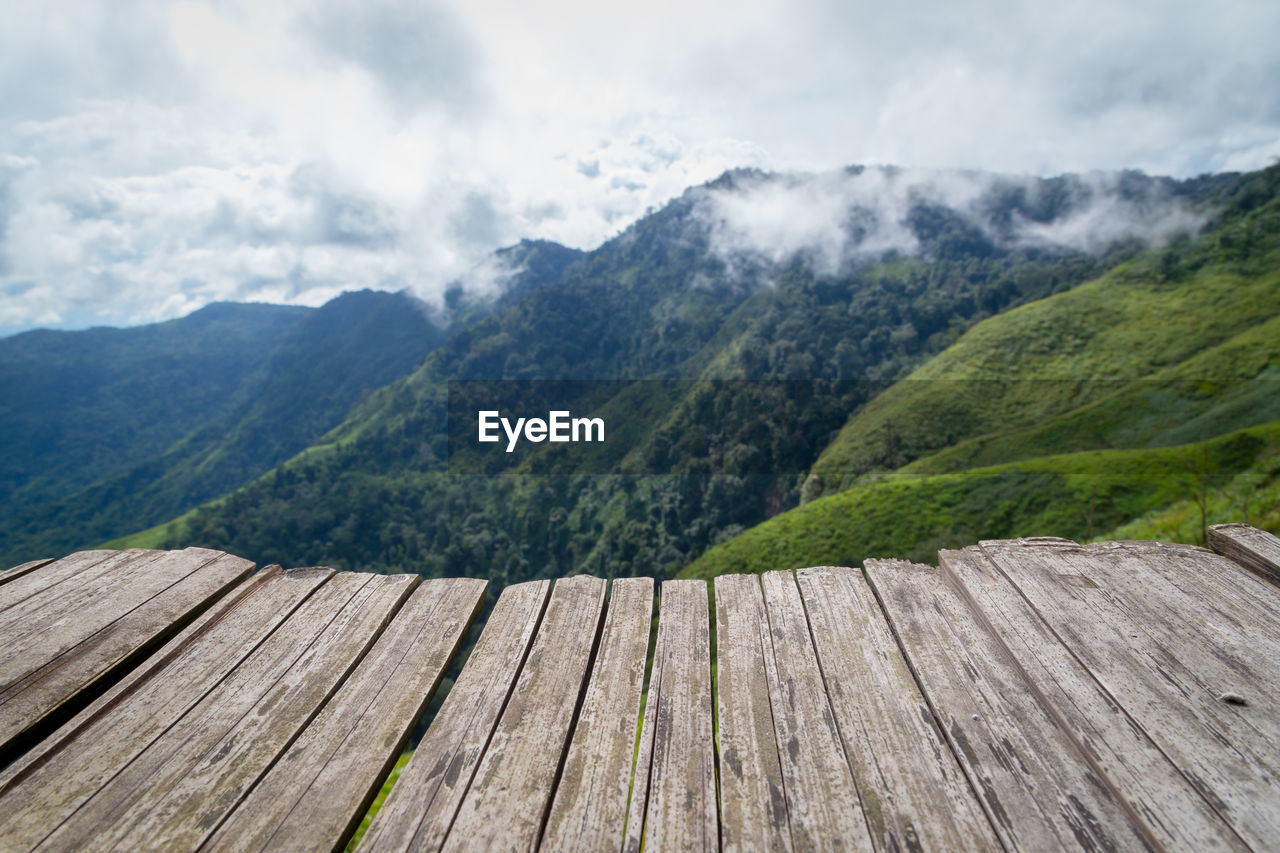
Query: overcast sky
[158, 156]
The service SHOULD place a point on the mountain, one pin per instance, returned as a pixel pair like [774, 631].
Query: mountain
[822, 290]
[1142, 404]
[79, 406]
[1097, 494]
[117, 429]
[184, 412]
[1156, 325]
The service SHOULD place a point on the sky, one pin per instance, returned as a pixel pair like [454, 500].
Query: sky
[157, 156]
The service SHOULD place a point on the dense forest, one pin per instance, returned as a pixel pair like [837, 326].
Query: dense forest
[999, 285]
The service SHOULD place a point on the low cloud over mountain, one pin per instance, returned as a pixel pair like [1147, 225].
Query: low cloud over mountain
[830, 219]
[155, 157]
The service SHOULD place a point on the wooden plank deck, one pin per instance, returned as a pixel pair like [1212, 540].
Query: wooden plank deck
[913, 793]
[753, 804]
[1030, 694]
[72, 625]
[676, 798]
[1256, 550]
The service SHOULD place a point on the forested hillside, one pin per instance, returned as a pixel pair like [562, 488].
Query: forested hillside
[1145, 404]
[702, 290]
[116, 429]
[77, 407]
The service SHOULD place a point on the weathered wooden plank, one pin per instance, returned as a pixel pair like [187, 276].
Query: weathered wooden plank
[178, 789]
[913, 792]
[1038, 788]
[590, 806]
[315, 795]
[37, 630]
[180, 811]
[753, 805]
[12, 592]
[54, 620]
[680, 812]
[1170, 807]
[642, 772]
[512, 789]
[134, 680]
[823, 808]
[1243, 601]
[1256, 550]
[85, 630]
[100, 656]
[42, 595]
[46, 785]
[34, 629]
[421, 807]
[23, 569]
[1173, 634]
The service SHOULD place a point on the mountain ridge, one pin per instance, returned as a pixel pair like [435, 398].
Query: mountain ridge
[679, 294]
[657, 301]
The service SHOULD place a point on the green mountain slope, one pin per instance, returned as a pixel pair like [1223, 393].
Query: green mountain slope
[306, 378]
[1224, 387]
[1127, 350]
[1085, 495]
[1148, 374]
[313, 373]
[79, 406]
[657, 301]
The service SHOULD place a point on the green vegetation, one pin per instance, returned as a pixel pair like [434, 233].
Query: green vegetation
[1148, 373]
[295, 382]
[379, 799]
[1252, 496]
[115, 429]
[1171, 347]
[79, 406]
[1083, 496]
[974, 387]
[655, 302]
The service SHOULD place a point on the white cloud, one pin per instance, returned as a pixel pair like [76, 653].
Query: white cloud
[158, 155]
[831, 219]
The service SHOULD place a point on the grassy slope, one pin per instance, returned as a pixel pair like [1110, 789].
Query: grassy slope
[79, 406]
[1111, 409]
[1226, 387]
[1127, 492]
[1145, 320]
[1141, 317]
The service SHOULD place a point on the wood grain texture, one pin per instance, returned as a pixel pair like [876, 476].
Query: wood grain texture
[1256, 550]
[60, 618]
[421, 807]
[1173, 811]
[46, 786]
[35, 601]
[1168, 631]
[680, 811]
[317, 792]
[753, 803]
[508, 800]
[913, 792]
[22, 569]
[590, 806]
[13, 592]
[642, 771]
[85, 644]
[134, 679]
[823, 808]
[1038, 788]
[177, 790]
[207, 776]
